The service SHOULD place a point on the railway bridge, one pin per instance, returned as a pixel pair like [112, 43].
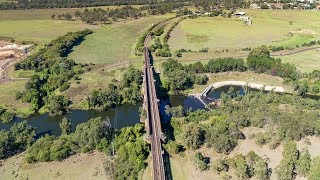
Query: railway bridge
[152, 122]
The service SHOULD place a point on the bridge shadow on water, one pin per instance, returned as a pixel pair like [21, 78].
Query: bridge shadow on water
[168, 130]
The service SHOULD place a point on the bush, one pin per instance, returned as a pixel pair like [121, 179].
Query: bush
[57, 105]
[221, 165]
[200, 79]
[6, 116]
[314, 173]
[315, 89]
[304, 163]
[201, 162]
[64, 87]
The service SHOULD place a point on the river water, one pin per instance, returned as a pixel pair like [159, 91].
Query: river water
[125, 115]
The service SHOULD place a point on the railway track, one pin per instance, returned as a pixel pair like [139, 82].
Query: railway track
[153, 120]
[153, 123]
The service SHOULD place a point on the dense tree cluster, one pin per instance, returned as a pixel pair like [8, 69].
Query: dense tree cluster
[179, 77]
[262, 109]
[225, 64]
[53, 71]
[299, 118]
[260, 61]
[128, 90]
[195, 129]
[98, 15]
[16, 139]
[94, 134]
[245, 166]
[132, 151]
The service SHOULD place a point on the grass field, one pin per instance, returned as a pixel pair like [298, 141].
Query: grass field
[8, 91]
[305, 61]
[42, 14]
[79, 166]
[37, 25]
[39, 30]
[113, 43]
[269, 27]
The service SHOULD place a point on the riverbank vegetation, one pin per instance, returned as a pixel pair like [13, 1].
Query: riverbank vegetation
[178, 77]
[127, 90]
[16, 140]
[281, 118]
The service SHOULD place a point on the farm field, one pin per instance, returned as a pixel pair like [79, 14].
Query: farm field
[305, 61]
[113, 43]
[279, 28]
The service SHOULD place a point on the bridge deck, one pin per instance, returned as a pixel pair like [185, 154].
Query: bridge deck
[153, 124]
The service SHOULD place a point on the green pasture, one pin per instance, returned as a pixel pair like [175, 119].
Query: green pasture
[8, 100]
[113, 43]
[39, 30]
[270, 27]
[305, 61]
[42, 14]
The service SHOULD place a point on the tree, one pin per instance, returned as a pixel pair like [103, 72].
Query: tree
[303, 164]
[65, 126]
[16, 139]
[193, 136]
[201, 162]
[241, 167]
[57, 105]
[88, 135]
[68, 16]
[132, 151]
[287, 165]
[220, 165]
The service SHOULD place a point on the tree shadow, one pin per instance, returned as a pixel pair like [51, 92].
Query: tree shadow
[167, 165]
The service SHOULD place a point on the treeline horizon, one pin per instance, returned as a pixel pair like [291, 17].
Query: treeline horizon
[43, 4]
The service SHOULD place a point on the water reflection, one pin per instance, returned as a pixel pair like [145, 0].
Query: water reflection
[126, 115]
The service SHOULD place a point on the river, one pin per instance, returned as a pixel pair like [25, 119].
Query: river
[125, 115]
